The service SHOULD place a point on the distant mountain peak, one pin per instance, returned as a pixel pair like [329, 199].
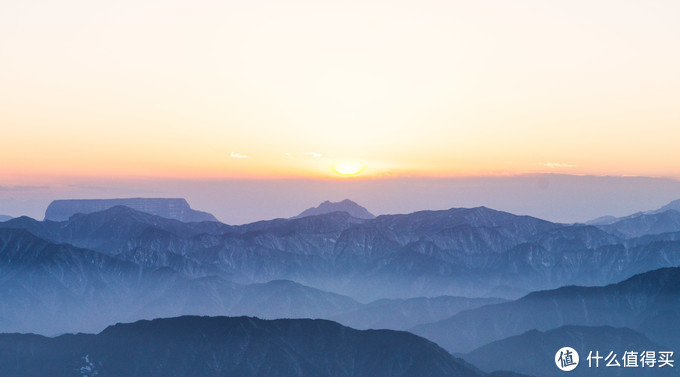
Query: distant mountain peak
[346, 205]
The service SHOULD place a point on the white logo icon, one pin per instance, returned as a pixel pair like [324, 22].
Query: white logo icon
[566, 359]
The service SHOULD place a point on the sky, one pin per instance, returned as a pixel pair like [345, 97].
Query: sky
[330, 91]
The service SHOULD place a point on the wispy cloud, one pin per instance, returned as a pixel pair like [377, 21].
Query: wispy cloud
[312, 154]
[22, 188]
[236, 155]
[558, 165]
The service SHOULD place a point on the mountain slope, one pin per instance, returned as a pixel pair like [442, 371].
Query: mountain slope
[645, 224]
[43, 285]
[607, 220]
[222, 346]
[534, 351]
[51, 288]
[645, 302]
[401, 314]
[275, 299]
[674, 205]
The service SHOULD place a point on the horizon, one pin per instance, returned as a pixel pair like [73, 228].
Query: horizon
[553, 197]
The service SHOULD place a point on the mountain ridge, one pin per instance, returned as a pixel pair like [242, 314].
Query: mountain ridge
[608, 219]
[456, 252]
[194, 346]
[638, 302]
[534, 351]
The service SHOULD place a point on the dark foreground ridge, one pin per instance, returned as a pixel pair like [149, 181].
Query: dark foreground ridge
[228, 346]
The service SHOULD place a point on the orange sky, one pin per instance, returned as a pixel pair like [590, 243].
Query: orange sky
[282, 88]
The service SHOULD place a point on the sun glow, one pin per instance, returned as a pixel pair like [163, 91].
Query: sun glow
[348, 168]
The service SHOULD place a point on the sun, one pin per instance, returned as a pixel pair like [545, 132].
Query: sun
[347, 168]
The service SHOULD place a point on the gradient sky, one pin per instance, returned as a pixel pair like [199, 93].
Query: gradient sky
[286, 89]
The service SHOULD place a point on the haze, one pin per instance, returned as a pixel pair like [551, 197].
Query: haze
[563, 198]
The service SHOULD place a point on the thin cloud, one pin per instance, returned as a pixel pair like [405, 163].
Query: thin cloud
[312, 154]
[23, 188]
[558, 165]
[236, 155]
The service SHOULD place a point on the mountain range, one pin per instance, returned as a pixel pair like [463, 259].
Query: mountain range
[44, 286]
[458, 252]
[476, 281]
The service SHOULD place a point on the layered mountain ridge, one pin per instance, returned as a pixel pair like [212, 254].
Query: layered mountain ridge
[459, 252]
[648, 303]
[435, 273]
[52, 288]
[533, 351]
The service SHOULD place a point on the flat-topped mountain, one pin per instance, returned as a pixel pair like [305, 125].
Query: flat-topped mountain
[223, 346]
[171, 208]
[346, 205]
